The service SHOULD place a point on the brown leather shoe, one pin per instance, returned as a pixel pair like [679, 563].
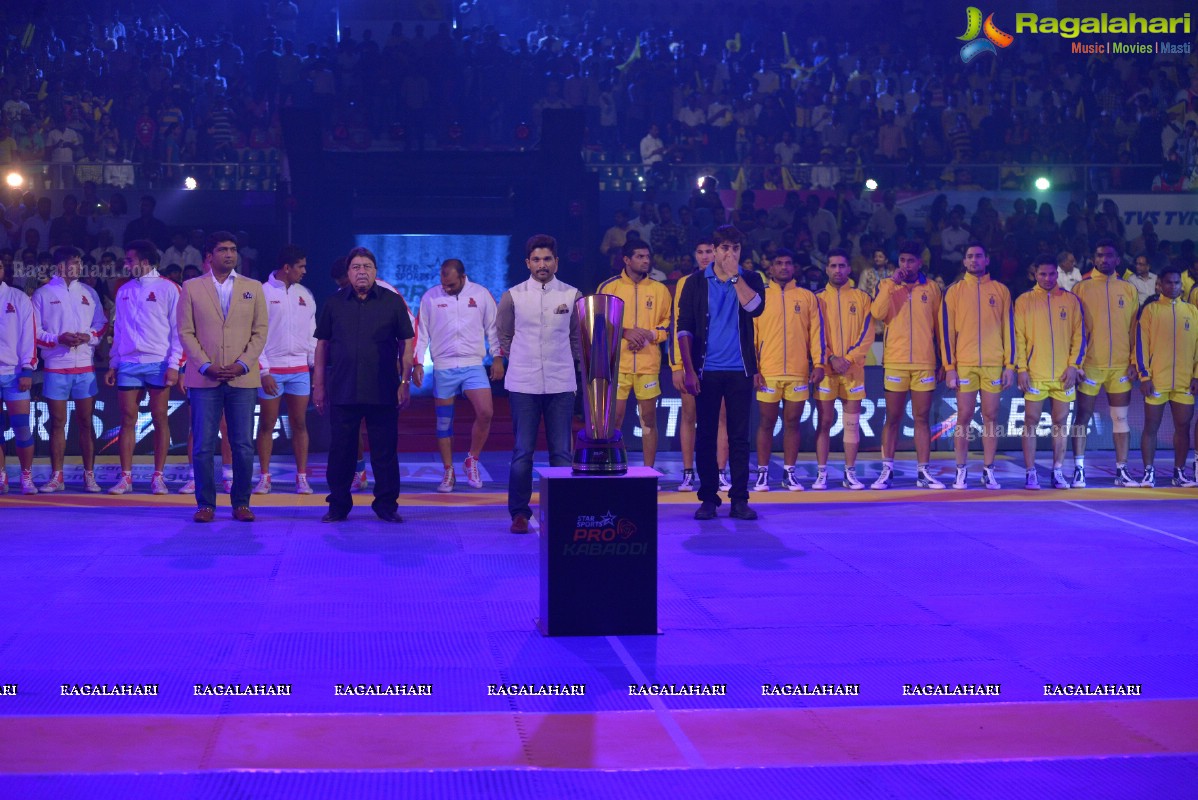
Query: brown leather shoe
[519, 524]
[204, 515]
[243, 514]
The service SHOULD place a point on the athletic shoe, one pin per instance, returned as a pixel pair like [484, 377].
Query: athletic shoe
[158, 484]
[27, 486]
[763, 480]
[447, 482]
[55, 484]
[850, 480]
[3, 482]
[1058, 479]
[924, 480]
[124, 485]
[725, 481]
[473, 476]
[1147, 482]
[1124, 478]
[89, 483]
[988, 479]
[301, 484]
[790, 481]
[1180, 479]
[688, 481]
[188, 487]
[821, 481]
[1079, 477]
[885, 478]
[1032, 482]
[263, 486]
[962, 479]
[360, 482]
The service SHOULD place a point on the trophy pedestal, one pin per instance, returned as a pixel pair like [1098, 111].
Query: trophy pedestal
[599, 456]
[598, 553]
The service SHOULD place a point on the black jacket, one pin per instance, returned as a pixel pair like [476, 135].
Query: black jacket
[693, 317]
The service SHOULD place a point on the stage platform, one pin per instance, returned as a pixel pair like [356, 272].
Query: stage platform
[867, 644]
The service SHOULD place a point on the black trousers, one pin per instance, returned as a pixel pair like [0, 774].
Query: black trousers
[381, 431]
[735, 389]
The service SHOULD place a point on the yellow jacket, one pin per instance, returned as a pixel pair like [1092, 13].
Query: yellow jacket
[646, 305]
[977, 324]
[1110, 305]
[789, 334]
[675, 353]
[848, 326]
[1050, 333]
[910, 312]
[1167, 344]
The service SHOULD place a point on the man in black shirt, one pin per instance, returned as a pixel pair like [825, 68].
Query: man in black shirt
[362, 373]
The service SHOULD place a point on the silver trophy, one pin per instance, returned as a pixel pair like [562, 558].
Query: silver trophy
[599, 449]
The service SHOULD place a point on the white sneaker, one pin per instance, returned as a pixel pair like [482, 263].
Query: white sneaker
[885, 478]
[1124, 478]
[360, 482]
[1058, 479]
[474, 477]
[124, 485]
[688, 481]
[263, 486]
[790, 481]
[962, 479]
[1079, 478]
[158, 484]
[1032, 481]
[924, 480]
[763, 480]
[27, 486]
[725, 481]
[821, 481]
[1147, 482]
[301, 484]
[988, 480]
[55, 484]
[447, 481]
[188, 487]
[1180, 479]
[850, 480]
[89, 482]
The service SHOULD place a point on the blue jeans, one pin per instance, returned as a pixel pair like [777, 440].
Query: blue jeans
[527, 411]
[237, 405]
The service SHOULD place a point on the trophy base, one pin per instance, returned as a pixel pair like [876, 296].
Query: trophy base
[600, 456]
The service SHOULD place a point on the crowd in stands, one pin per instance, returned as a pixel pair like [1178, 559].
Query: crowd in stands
[796, 95]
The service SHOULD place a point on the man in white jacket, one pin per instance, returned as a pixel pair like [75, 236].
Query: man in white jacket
[70, 323]
[17, 361]
[286, 364]
[535, 321]
[457, 324]
[146, 356]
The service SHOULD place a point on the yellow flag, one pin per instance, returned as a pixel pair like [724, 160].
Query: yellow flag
[636, 53]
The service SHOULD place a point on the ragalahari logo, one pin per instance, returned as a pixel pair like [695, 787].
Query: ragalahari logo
[974, 27]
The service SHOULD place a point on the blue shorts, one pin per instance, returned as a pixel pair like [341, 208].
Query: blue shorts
[70, 385]
[9, 390]
[132, 375]
[297, 383]
[448, 382]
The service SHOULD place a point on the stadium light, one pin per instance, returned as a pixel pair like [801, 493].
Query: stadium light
[1043, 184]
[871, 185]
[14, 180]
[189, 183]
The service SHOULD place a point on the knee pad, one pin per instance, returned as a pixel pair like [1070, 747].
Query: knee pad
[22, 435]
[444, 422]
[852, 427]
[1119, 420]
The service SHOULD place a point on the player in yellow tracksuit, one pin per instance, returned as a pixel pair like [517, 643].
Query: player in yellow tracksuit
[909, 305]
[977, 341]
[687, 417]
[646, 325]
[1110, 305]
[789, 338]
[1050, 346]
[1166, 356]
[848, 332]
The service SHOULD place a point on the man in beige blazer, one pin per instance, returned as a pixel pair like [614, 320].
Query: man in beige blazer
[222, 325]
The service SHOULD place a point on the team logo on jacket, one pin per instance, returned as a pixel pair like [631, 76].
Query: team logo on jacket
[924, 298]
[248, 296]
[1120, 302]
[993, 302]
[1187, 323]
[798, 309]
[84, 299]
[302, 302]
[151, 298]
[649, 303]
[9, 309]
[852, 308]
[471, 304]
[1063, 314]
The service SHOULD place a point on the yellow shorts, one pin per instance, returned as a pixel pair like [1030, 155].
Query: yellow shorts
[786, 388]
[987, 379]
[1043, 390]
[646, 387]
[1115, 381]
[1170, 396]
[850, 386]
[901, 379]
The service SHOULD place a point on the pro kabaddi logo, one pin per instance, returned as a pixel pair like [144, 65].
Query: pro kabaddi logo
[974, 27]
